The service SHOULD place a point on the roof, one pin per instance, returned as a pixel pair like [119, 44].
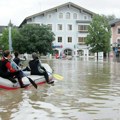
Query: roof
[54, 8]
[113, 22]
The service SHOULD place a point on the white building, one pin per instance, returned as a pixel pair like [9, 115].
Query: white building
[69, 22]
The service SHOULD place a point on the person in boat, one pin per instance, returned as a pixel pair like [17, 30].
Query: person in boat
[37, 69]
[16, 61]
[7, 71]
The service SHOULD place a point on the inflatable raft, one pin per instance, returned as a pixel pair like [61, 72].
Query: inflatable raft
[6, 84]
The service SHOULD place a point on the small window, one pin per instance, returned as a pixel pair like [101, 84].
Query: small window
[118, 42]
[59, 26]
[85, 17]
[118, 30]
[69, 27]
[59, 39]
[60, 15]
[49, 15]
[75, 16]
[67, 15]
[50, 26]
[69, 39]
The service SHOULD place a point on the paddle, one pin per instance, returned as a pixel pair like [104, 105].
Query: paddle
[31, 81]
[57, 76]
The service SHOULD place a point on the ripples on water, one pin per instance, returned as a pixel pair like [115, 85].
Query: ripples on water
[89, 91]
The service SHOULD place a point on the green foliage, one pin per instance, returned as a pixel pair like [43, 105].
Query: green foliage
[99, 34]
[30, 38]
[34, 38]
[109, 17]
[4, 39]
[4, 42]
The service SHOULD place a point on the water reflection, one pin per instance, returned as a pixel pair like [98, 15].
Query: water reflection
[89, 91]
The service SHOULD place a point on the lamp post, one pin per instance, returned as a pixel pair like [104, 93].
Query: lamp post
[10, 39]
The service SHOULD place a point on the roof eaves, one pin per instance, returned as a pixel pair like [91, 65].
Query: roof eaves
[54, 8]
[114, 21]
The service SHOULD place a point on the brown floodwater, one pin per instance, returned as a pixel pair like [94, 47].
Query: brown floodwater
[90, 91]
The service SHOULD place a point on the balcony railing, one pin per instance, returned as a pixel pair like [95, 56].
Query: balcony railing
[83, 31]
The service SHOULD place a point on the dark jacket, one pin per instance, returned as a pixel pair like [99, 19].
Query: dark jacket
[35, 67]
[17, 60]
[5, 66]
[6, 69]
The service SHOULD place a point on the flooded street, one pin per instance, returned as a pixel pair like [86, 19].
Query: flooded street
[90, 91]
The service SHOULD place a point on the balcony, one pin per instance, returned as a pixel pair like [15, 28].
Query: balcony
[83, 31]
[81, 43]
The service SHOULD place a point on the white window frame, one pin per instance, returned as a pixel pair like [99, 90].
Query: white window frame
[48, 16]
[59, 16]
[76, 16]
[83, 30]
[66, 17]
[67, 40]
[50, 24]
[82, 42]
[67, 27]
[85, 17]
[57, 27]
[58, 37]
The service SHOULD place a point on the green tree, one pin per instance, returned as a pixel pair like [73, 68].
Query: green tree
[99, 34]
[34, 37]
[4, 39]
[109, 17]
[4, 42]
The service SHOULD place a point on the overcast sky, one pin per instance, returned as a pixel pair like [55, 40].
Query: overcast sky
[18, 10]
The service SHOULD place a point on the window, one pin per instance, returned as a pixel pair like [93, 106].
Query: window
[59, 26]
[118, 42]
[60, 39]
[85, 17]
[83, 28]
[60, 15]
[69, 27]
[49, 15]
[81, 40]
[75, 16]
[50, 26]
[69, 39]
[118, 30]
[67, 15]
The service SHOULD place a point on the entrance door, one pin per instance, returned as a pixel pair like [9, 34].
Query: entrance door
[68, 52]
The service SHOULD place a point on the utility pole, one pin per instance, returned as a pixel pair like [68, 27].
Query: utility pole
[10, 38]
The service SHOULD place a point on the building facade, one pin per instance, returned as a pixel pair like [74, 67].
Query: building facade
[115, 38]
[69, 22]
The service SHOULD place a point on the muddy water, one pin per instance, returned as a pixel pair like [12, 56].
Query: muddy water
[90, 91]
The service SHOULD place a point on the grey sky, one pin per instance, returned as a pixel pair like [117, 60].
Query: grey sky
[18, 10]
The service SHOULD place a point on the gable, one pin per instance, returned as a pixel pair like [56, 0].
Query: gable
[68, 6]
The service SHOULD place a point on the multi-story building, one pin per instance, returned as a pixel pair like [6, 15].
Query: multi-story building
[70, 23]
[115, 38]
